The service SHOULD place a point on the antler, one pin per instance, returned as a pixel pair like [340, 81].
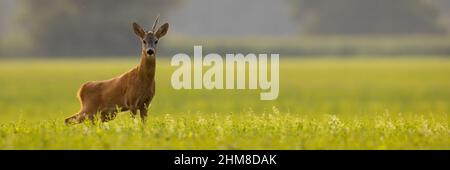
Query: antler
[154, 24]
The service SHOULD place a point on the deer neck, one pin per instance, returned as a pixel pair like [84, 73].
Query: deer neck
[147, 67]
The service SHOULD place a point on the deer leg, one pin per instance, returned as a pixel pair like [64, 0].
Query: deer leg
[107, 116]
[81, 118]
[133, 112]
[72, 119]
[91, 116]
[75, 119]
[143, 112]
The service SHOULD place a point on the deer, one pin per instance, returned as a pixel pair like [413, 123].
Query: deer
[131, 91]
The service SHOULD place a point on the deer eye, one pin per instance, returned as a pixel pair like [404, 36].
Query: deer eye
[145, 42]
[156, 42]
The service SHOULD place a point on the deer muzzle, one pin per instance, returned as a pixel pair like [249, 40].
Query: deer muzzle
[150, 51]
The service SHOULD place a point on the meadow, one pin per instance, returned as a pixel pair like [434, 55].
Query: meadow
[363, 102]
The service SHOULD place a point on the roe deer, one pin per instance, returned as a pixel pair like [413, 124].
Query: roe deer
[133, 90]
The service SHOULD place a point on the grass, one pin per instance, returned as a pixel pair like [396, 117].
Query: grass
[359, 103]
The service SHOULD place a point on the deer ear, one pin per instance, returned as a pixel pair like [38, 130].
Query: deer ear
[138, 30]
[162, 30]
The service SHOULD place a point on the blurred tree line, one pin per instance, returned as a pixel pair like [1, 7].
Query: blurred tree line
[353, 17]
[103, 28]
[443, 7]
[86, 27]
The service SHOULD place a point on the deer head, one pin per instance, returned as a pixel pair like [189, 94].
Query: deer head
[149, 39]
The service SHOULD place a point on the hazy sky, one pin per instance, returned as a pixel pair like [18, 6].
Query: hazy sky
[6, 7]
[233, 17]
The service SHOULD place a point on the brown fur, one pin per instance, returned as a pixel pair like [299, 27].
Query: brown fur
[133, 90]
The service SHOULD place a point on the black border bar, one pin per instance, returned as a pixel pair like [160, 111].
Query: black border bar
[237, 159]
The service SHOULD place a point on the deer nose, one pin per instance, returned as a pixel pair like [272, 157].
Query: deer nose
[150, 52]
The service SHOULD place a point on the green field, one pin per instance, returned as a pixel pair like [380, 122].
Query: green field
[357, 103]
